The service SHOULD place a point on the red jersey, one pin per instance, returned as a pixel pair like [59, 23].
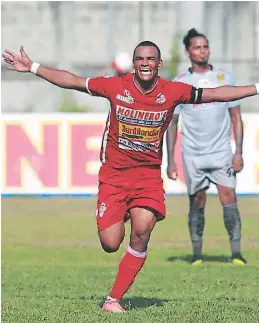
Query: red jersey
[136, 121]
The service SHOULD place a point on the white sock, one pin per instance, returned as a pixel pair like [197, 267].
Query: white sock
[109, 298]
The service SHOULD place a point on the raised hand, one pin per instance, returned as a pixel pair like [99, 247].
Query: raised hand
[19, 63]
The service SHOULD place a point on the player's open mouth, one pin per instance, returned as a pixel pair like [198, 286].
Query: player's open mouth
[145, 71]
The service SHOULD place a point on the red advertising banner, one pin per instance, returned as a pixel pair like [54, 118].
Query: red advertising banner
[59, 154]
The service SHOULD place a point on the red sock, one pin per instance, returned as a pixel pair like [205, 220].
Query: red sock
[130, 265]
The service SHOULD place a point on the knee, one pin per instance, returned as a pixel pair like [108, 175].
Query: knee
[111, 240]
[109, 244]
[110, 248]
[198, 200]
[140, 237]
[228, 197]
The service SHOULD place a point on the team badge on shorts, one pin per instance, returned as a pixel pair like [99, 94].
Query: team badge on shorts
[102, 209]
[230, 171]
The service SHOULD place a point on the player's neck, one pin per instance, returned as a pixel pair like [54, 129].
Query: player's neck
[201, 68]
[145, 87]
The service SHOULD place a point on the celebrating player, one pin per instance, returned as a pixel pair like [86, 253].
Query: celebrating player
[141, 107]
[206, 148]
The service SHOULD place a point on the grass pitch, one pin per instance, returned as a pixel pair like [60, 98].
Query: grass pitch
[53, 269]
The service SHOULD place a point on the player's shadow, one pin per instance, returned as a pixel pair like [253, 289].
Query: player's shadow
[140, 302]
[143, 302]
[206, 258]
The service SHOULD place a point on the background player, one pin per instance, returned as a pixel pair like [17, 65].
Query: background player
[206, 148]
[142, 105]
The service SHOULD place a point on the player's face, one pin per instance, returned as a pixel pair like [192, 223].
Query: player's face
[199, 51]
[146, 63]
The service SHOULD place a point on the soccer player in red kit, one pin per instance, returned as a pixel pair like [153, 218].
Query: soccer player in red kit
[141, 107]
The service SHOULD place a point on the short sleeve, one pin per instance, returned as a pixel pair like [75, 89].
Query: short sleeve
[183, 93]
[178, 109]
[231, 81]
[100, 86]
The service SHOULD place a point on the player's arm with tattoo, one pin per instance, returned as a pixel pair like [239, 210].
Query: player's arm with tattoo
[171, 137]
[237, 125]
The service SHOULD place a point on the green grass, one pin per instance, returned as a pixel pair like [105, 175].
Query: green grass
[53, 269]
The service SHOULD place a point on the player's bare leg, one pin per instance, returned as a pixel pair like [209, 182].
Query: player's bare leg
[196, 222]
[142, 224]
[232, 221]
[112, 237]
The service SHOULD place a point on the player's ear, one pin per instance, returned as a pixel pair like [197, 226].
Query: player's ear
[186, 52]
[160, 64]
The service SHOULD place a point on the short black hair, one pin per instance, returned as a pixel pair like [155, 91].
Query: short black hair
[148, 43]
[192, 33]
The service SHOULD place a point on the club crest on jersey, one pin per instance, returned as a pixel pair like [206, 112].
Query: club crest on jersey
[220, 77]
[160, 98]
[127, 98]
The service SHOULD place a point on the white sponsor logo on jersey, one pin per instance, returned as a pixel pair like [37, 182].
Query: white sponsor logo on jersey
[127, 98]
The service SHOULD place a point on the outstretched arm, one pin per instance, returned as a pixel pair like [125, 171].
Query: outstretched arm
[61, 78]
[227, 93]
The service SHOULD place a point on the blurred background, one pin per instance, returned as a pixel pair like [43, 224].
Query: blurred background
[48, 152]
[83, 37]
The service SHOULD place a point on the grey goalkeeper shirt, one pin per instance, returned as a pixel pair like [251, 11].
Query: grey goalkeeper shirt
[206, 127]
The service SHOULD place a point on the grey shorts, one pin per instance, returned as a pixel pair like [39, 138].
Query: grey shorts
[200, 171]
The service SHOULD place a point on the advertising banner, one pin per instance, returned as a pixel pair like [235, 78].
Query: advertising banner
[59, 154]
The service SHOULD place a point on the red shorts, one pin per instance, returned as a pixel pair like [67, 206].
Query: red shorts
[121, 190]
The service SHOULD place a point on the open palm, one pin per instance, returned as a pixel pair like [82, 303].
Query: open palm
[19, 63]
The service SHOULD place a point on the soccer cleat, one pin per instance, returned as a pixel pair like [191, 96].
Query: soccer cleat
[238, 260]
[112, 305]
[196, 261]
